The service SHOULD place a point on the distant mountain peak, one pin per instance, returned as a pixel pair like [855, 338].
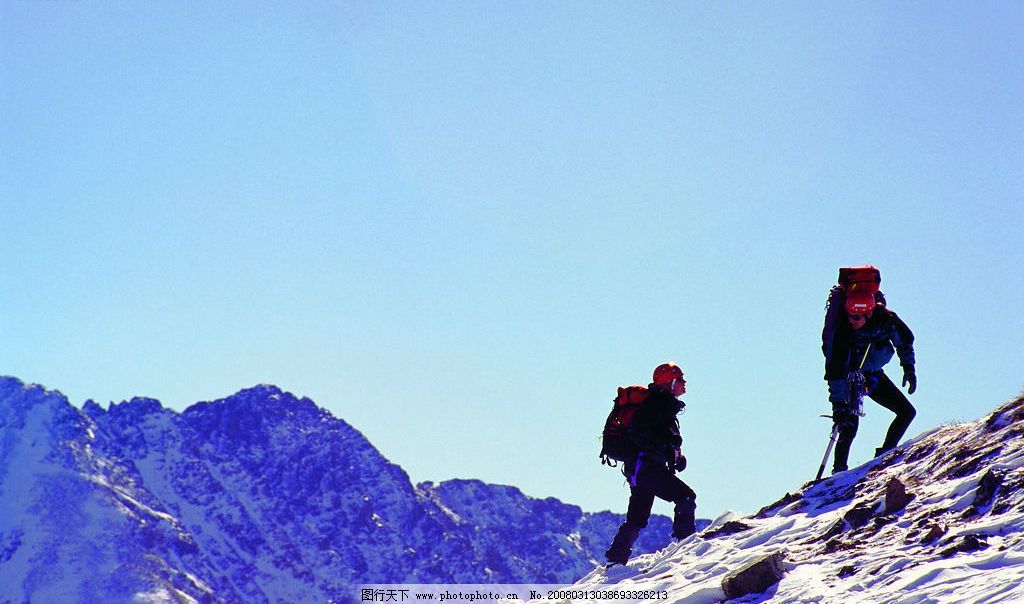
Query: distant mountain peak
[258, 395]
[138, 405]
[252, 412]
[24, 395]
[265, 399]
[21, 403]
[257, 497]
[263, 392]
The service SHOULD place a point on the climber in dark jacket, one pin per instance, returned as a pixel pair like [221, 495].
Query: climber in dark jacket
[650, 471]
[867, 341]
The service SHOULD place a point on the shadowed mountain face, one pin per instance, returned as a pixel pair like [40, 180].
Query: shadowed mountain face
[258, 497]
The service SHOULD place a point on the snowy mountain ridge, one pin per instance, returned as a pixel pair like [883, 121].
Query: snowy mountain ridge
[265, 497]
[938, 520]
[256, 498]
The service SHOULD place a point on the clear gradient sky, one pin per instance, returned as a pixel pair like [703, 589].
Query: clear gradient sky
[459, 226]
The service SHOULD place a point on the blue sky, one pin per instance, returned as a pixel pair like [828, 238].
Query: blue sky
[460, 226]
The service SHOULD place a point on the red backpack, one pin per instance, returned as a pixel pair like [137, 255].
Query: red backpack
[615, 442]
[860, 281]
[865, 279]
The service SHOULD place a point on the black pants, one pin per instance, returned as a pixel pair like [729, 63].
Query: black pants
[887, 395]
[647, 480]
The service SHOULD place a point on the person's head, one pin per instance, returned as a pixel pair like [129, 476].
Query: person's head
[669, 377]
[859, 320]
[860, 285]
[860, 303]
[860, 299]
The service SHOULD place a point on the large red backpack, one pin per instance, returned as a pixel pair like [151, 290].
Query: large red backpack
[865, 279]
[615, 442]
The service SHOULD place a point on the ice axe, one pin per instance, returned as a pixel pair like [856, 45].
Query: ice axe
[835, 426]
[828, 449]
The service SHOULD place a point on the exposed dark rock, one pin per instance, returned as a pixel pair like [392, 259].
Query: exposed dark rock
[787, 499]
[920, 451]
[968, 543]
[896, 497]
[853, 519]
[971, 461]
[840, 494]
[859, 515]
[755, 578]
[729, 528]
[987, 487]
[837, 545]
[847, 571]
[935, 531]
[1007, 414]
[881, 521]
[835, 530]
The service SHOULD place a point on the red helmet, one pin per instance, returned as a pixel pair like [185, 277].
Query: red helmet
[861, 285]
[665, 373]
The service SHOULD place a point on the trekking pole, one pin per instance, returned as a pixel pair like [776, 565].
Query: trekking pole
[835, 425]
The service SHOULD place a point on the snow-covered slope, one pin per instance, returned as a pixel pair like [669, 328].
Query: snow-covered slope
[259, 497]
[264, 497]
[939, 520]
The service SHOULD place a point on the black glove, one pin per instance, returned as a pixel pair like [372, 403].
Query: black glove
[910, 377]
[679, 464]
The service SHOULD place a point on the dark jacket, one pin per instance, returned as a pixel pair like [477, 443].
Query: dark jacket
[885, 332]
[655, 428]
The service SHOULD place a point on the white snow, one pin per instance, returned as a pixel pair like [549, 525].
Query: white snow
[839, 542]
[885, 560]
[163, 595]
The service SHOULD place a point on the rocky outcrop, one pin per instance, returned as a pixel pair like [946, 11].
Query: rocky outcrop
[259, 497]
[756, 577]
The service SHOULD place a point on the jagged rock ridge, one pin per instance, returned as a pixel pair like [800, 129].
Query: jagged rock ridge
[258, 497]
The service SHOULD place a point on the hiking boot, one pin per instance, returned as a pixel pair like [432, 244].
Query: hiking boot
[622, 545]
[616, 557]
[684, 521]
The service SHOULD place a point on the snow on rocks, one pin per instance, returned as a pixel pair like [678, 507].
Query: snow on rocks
[259, 497]
[940, 519]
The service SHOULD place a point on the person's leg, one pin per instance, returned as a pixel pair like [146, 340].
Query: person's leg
[637, 514]
[889, 396]
[684, 521]
[660, 481]
[848, 424]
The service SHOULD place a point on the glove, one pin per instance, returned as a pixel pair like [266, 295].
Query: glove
[910, 377]
[679, 464]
